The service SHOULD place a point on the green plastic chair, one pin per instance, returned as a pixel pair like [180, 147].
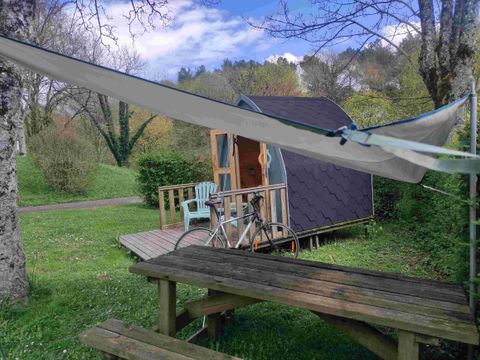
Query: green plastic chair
[202, 194]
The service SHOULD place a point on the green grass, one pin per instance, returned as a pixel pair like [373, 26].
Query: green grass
[79, 277]
[109, 182]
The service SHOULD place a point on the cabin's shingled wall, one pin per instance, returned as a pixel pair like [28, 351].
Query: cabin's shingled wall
[319, 193]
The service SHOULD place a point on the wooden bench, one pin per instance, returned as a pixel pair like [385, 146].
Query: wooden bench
[118, 340]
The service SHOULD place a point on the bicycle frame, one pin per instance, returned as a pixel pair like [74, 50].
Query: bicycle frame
[220, 227]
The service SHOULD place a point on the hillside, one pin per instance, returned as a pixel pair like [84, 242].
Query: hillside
[109, 182]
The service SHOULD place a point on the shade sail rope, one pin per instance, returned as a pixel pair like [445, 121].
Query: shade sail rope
[394, 150]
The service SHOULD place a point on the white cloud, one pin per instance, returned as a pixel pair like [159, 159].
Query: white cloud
[396, 33]
[289, 56]
[197, 36]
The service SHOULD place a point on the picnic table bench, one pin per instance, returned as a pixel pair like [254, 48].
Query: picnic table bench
[118, 340]
[351, 299]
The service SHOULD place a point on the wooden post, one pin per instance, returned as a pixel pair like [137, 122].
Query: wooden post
[407, 346]
[161, 208]
[213, 216]
[214, 322]
[171, 200]
[167, 303]
[181, 198]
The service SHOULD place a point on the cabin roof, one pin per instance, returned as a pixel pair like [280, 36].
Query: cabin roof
[319, 193]
[317, 111]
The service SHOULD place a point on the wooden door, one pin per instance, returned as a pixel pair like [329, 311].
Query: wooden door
[224, 162]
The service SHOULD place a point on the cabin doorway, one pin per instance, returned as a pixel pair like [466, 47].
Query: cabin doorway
[249, 168]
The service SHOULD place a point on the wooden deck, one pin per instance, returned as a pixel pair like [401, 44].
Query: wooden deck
[149, 244]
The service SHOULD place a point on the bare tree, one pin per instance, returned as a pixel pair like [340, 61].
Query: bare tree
[15, 18]
[54, 29]
[97, 108]
[15, 21]
[447, 32]
[327, 76]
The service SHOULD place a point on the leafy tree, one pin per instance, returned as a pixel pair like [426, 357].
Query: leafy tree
[369, 108]
[184, 74]
[447, 33]
[413, 97]
[268, 79]
[157, 135]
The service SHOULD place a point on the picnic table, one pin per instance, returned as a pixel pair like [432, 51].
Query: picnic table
[357, 301]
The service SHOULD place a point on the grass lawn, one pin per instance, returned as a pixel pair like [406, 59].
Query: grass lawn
[79, 277]
[109, 182]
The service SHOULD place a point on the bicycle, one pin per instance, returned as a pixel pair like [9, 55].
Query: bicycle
[276, 237]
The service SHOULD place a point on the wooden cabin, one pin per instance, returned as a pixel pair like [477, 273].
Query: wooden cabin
[309, 195]
[320, 196]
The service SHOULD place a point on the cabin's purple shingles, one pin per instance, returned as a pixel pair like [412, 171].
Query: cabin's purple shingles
[323, 194]
[319, 193]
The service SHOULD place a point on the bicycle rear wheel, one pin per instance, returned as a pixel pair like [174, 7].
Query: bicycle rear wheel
[276, 239]
[199, 236]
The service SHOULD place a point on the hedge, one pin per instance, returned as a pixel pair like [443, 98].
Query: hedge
[168, 168]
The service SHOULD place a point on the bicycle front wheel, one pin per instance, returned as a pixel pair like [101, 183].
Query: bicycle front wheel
[276, 239]
[199, 236]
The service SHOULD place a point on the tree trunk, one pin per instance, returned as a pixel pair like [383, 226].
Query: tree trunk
[462, 62]
[21, 139]
[446, 59]
[15, 17]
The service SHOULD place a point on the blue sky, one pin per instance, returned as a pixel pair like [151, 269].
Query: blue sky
[200, 35]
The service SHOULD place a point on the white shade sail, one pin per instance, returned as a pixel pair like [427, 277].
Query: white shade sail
[396, 150]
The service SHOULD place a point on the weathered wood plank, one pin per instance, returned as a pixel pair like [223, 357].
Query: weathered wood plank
[407, 346]
[378, 299]
[136, 247]
[251, 231]
[179, 349]
[125, 347]
[228, 215]
[171, 205]
[144, 240]
[239, 209]
[463, 332]
[283, 198]
[181, 199]
[436, 287]
[167, 301]
[161, 207]
[214, 321]
[217, 303]
[366, 335]
[404, 293]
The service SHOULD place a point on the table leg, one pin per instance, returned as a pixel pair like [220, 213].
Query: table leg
[214, 322]
[407, 346]
[167, 301]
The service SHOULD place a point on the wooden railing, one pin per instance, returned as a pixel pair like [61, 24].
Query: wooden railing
[175, 194]
[236, 202]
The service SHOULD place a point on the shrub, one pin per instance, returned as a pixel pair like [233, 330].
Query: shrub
[162, 168]
[67, 162]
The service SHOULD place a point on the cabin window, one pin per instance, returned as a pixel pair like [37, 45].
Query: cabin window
[223, 150]
[276, 168]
